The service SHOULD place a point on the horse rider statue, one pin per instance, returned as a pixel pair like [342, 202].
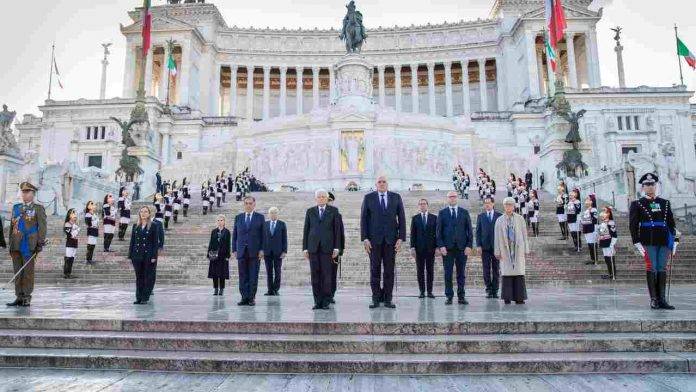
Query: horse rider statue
[353, 31]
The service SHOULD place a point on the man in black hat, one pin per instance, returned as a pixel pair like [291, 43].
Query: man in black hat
[341, 247]
[27, 238]
[653, 232]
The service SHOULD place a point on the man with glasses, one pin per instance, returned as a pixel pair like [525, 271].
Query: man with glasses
[454, 238]
[27, 238]
[382, 230]
[247, 248]
[653, 233]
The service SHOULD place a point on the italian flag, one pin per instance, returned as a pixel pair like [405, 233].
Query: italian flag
[147, 26]
[171, 64]
[682, 50]
[556, 23]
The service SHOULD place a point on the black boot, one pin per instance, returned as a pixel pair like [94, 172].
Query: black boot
[176, 216]
[652, 289]
[122, 231]
[166, 223]
[205, 210]
[575, 240]
[185, 212]
[662, 291]
[66, 267]
[579, 237]
[613, 267]
[563, 232]
[107, 242]
[90, 254]
[592, 254]
[610, 269]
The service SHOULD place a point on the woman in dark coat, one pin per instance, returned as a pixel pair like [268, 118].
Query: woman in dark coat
[219, 255]
[144, 245]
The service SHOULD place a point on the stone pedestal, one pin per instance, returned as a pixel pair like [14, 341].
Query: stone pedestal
[552, 150]
[150, 164]
[354, 82]
[10, 166]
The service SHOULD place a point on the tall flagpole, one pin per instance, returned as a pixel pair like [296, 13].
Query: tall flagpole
[681, 75]
[50, 76]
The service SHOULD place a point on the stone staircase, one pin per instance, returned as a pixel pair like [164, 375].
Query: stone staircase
[183, 260]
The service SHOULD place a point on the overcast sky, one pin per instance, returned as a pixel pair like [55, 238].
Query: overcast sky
[79, 27]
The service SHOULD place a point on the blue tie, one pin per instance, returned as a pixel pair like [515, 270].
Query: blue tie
[247, 219]
[272, 227]
[383, 203]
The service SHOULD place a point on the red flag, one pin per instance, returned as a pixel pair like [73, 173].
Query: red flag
[147, 27]
[559, 21]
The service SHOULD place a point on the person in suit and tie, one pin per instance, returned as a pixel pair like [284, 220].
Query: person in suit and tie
[485, 233]
[454, 238]
[320, 245]
[423, 246]
[382, 230]
[341, 247]
[247, 243]
[275, 246]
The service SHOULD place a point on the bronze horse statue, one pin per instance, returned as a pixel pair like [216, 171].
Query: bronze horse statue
[353, 32]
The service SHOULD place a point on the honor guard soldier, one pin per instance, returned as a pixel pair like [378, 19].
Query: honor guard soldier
[71, 230]
[124, 206]
[186, 196]
[109, 217]
[653, 233]
[27, 238]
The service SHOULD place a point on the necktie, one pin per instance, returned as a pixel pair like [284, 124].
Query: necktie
[383, 203]
[272, 227]
[453, 213]
[248, 218]
[321, 212]
[425, 219]
[490, 216]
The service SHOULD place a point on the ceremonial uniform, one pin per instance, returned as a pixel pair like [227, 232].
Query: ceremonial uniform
[71, 231]
[607, 238]
[572, 209]
[186, 198]
[204, 199]
[109, 216]
[588, 221]
[168, 209]
[176, 195]
[211, 197]
[653, 233]
[124, 206]
[561, 200]
[534, 206]
[159, 208]
[92, 222]
[27, 238]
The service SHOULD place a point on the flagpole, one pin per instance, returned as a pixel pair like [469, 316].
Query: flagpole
[681, 75]
[170, 43]
[50, 76]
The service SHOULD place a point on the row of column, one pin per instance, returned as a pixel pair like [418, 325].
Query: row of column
[130, 85]
[483, 87]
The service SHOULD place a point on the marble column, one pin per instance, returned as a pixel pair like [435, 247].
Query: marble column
[250, 93]
[572, 68]
[315, 88]
[500, 82]
[183, 74]
[448, 88]
[149, 68]
[483, 87]
[431, 89]
[540, 68]
[283, 90]
[266, 91]
[551, 76]
[466, 97]
[164, 75]
[332, 84]
[532, 64]
[397, 87]
[298, 88]
[414, 88]
[216, 86]
[233, 90]
[380, 72]
[129, 72]
[166, 145]
[596, 76]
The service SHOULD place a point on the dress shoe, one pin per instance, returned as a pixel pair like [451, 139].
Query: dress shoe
[373, 305]
[251, 303]
[495, 296]
[489, 295]
[316, 307]
[463, 301]
[421, 295]
[220, 292]
[332, 301]
[143, 302]
[270, 293]
[507, 302]
[65, 276]
[27, 304]
[138, 302]
[15, 303]
[389, 305]
[215, 292]
[519, 302]
[71, 276]
[276, 293]
[449, 301]
[243, 302]
[430, 295]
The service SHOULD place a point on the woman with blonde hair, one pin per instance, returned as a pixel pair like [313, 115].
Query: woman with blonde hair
[510, 247]
[219, 255]
[144, 245]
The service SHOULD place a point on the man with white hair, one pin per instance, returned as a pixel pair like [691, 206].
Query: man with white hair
[382, 230]
[320, 245]
[275, 246]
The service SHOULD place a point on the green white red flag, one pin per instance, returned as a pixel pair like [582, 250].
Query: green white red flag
[683, 51]
[556, 24]
[147, 26]
[171, 64]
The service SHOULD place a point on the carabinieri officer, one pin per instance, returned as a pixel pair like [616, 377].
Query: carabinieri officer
[653, 230]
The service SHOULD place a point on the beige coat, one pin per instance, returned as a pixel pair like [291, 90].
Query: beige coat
[502, 251]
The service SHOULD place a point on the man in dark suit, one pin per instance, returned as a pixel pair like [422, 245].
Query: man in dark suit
[336, 264]
[275, 246]
[485, 232]
[423, 246]
[247, 243]
[528, 180]
[320, 242]
[454, 237]
[382, 230]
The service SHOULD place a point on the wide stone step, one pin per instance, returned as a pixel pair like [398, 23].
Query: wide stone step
[217, 362]
[351, 344]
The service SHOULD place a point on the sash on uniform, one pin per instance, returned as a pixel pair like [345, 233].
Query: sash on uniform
[26, 232]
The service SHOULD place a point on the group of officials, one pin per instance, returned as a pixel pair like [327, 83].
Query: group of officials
[501, 239]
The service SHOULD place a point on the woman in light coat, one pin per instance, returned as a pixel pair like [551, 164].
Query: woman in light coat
[510, 245]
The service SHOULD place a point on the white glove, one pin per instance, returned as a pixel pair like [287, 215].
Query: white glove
[640, 249]
[674, 248]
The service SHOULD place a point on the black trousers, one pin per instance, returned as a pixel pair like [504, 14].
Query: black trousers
[142, 268]
[382, 255]
[334, 275]
[491, 271]
[273, 267]
[218, 282]
[425, 266]
[151, 278]
[248, 275]
[320, 268]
